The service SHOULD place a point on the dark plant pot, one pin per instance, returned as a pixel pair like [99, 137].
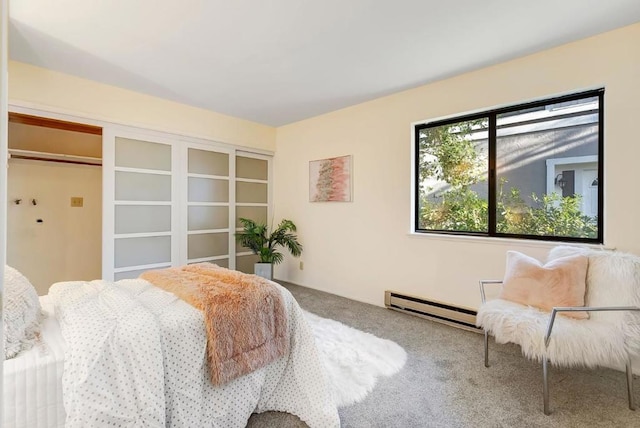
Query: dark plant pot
[264, 270]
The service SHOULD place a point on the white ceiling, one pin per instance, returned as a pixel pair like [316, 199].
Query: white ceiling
[280, 61]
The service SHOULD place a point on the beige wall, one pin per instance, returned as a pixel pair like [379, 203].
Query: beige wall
[361, 248]
[67, 244]
[38, 87]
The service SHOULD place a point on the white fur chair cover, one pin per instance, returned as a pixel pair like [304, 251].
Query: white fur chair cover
[605, 339]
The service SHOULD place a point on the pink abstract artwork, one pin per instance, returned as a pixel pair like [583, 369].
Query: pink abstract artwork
[330, 180]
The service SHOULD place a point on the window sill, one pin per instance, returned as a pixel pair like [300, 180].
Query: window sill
[484, 240]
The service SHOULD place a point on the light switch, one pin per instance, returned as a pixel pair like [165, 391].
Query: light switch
[77, 201]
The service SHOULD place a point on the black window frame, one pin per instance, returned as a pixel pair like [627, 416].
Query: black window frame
[492, 115]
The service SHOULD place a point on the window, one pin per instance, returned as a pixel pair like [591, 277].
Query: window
[529, 171]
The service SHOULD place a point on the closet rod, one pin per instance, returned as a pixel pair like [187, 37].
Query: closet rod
[54, 157]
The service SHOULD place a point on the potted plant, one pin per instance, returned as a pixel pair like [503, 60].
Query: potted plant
[257, 238]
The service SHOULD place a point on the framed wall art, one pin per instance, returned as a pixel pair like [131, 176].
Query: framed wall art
[330, 180]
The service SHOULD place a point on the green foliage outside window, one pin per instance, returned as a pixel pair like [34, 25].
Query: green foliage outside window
[552, 215]
[447, 154]
[459, 210]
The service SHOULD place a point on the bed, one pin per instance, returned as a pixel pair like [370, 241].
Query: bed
[33, 379]
[151, 374]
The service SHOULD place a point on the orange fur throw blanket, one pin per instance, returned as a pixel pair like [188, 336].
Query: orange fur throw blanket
[244, 315]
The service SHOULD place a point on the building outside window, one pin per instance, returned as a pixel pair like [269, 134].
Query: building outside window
[530, 171]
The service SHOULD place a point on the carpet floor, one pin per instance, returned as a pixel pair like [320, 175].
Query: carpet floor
[445, 384]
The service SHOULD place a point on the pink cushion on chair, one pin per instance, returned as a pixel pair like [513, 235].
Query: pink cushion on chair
[561, 282]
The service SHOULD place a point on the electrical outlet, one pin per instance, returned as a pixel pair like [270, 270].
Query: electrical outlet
[77, 201]
[301, 265]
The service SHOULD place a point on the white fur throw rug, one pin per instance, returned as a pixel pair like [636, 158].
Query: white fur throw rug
[353, 359]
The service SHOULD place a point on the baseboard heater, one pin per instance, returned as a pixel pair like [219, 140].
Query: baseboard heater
[441, 312]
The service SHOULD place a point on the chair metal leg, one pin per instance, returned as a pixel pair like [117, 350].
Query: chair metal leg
[486, 348]
[545, 386]
[630, 384]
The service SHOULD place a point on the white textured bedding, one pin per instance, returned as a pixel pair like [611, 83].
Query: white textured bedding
[136, 357]
[32, 395]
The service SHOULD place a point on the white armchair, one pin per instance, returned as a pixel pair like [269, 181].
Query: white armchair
[610, 337]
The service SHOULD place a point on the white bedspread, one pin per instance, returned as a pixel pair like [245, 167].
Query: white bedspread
[136, 357]
[32, 395]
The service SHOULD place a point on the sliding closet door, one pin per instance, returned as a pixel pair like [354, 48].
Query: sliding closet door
[169, 202]
[141, 190]
[208, 195]
[253, 196]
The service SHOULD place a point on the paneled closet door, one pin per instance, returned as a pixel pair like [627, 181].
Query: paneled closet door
[253, 199]
[208, 208]
[142, 192]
